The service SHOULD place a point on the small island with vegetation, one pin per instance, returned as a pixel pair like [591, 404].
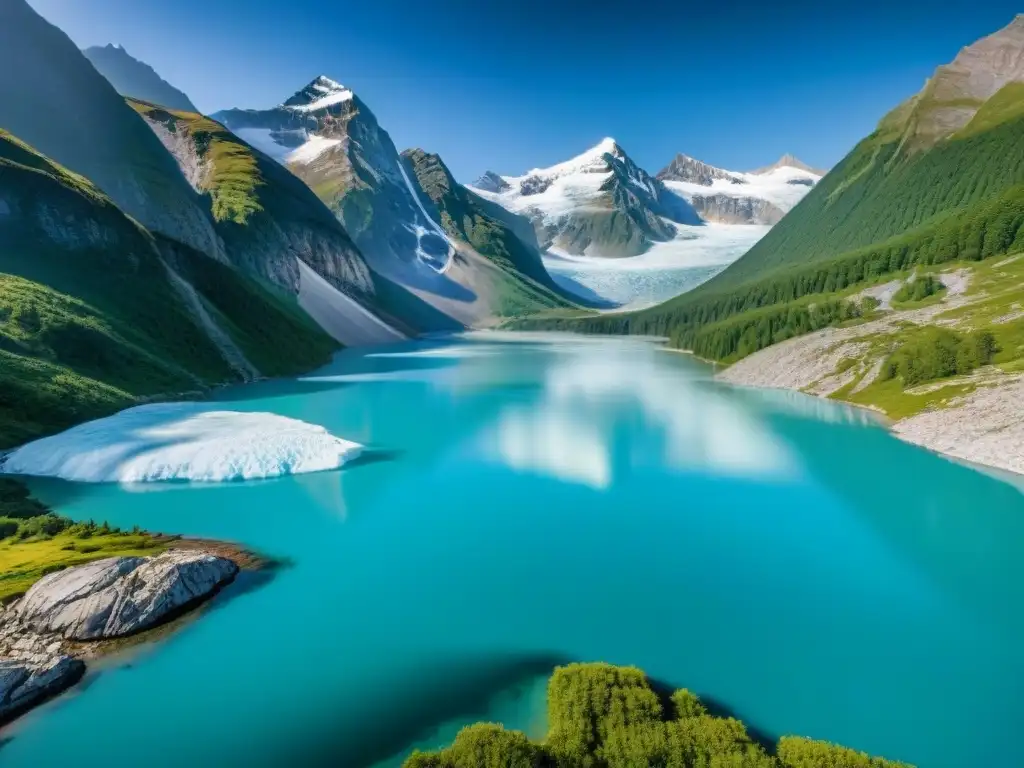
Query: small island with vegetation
[603, 716]
[70, 592]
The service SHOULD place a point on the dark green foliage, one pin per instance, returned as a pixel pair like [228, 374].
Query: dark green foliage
[919, 289]
[685, 704]
[798, 752]
[587, 702]
[483, 745]
[23, 516]
[17, 503]
[935, 353]
[602, 716]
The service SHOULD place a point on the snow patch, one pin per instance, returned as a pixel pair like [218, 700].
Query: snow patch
[183, 441]
[311, 150]
[263, 140]
[328, 100]
[420, 231]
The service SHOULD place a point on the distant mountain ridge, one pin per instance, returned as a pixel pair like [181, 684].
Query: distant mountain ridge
[788, 161]
[763, 196]
[599, 203]
[136, 79]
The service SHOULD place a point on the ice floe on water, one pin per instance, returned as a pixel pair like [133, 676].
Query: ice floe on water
[183, 441]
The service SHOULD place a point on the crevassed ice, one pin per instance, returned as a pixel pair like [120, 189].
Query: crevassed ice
[183, 441]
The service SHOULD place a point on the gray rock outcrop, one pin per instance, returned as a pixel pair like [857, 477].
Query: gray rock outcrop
[31, 678]
[120, 596]
[729, 209]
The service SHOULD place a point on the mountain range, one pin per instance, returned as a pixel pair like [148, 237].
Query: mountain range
[602, 204]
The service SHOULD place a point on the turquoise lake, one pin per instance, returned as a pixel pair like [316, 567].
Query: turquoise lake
[527, 502]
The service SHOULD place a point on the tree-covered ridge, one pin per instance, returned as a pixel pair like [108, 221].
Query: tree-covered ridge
[603, 716]
[89, 319]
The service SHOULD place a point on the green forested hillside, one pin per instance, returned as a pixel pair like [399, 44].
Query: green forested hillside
[602, 716]
[883, 210]
[89, 319]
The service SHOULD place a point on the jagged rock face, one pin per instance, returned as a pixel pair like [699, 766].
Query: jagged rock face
[329, 138]
[287, 221]
[685, 168]
[56, 101]
[30, 678]
[121, 595]
[133, 78]
[491, 182]
[953, 95]
[598, 204]
[728, 209]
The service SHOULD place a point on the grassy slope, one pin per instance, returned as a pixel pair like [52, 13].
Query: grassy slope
[241, 182]
[22, 563]
[528, 287]
[996, 305]
[88, 319]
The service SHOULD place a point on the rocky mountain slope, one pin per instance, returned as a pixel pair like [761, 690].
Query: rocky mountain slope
[136, 79]
[730, 197]
[329, 138]
[503, 238]
[96, 311]
[274, 227]
[599, 203]
[55, 100]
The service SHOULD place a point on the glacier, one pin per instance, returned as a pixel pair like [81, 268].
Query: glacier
[667, 269]
[182, 441]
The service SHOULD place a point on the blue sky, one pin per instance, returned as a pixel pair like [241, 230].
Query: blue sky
[510, 86]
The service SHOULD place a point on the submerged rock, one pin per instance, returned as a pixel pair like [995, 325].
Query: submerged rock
[121, 595]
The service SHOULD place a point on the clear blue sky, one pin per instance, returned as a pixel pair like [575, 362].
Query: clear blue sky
[509, 86]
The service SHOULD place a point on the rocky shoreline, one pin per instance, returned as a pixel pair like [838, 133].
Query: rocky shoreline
[74, 615]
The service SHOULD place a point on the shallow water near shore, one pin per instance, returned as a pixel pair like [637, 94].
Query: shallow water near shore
[527, 501]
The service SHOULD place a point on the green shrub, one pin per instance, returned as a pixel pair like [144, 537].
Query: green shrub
[936, 353]
[484, 745]
[919, 289]
[8, 527]
[587, 702]
[798, 752]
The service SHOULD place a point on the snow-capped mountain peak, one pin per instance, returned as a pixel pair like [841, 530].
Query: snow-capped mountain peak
[689, 169]
[733, 197]
[321, 93]
[788, 161]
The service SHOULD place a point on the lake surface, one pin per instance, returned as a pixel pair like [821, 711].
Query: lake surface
[527, 503]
